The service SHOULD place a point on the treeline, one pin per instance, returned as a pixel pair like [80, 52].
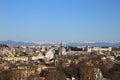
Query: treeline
[75, 48]
[3, 45]
[116, 48]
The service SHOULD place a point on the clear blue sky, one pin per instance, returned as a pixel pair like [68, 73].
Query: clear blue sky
[64, 20]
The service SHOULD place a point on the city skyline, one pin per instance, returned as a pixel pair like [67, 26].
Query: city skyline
[61, 20]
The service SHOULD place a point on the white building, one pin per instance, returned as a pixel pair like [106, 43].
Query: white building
[90, 49]
[97, 74]
[49, 54]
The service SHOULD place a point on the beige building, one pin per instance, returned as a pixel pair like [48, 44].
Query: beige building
[20, 58]
[21, 72]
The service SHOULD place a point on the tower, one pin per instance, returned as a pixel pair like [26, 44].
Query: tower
[62, 50]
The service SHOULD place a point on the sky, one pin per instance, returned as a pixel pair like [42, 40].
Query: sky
[60, 20]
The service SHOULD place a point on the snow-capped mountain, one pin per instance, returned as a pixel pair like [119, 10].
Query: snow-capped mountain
[50, 43]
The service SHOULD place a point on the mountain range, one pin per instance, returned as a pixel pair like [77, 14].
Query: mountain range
[21, 43]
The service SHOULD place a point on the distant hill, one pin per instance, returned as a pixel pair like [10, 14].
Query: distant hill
[99, 44]
[20, 43]
[14, 43]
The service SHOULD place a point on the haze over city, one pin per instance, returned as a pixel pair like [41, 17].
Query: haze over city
[60, 20]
